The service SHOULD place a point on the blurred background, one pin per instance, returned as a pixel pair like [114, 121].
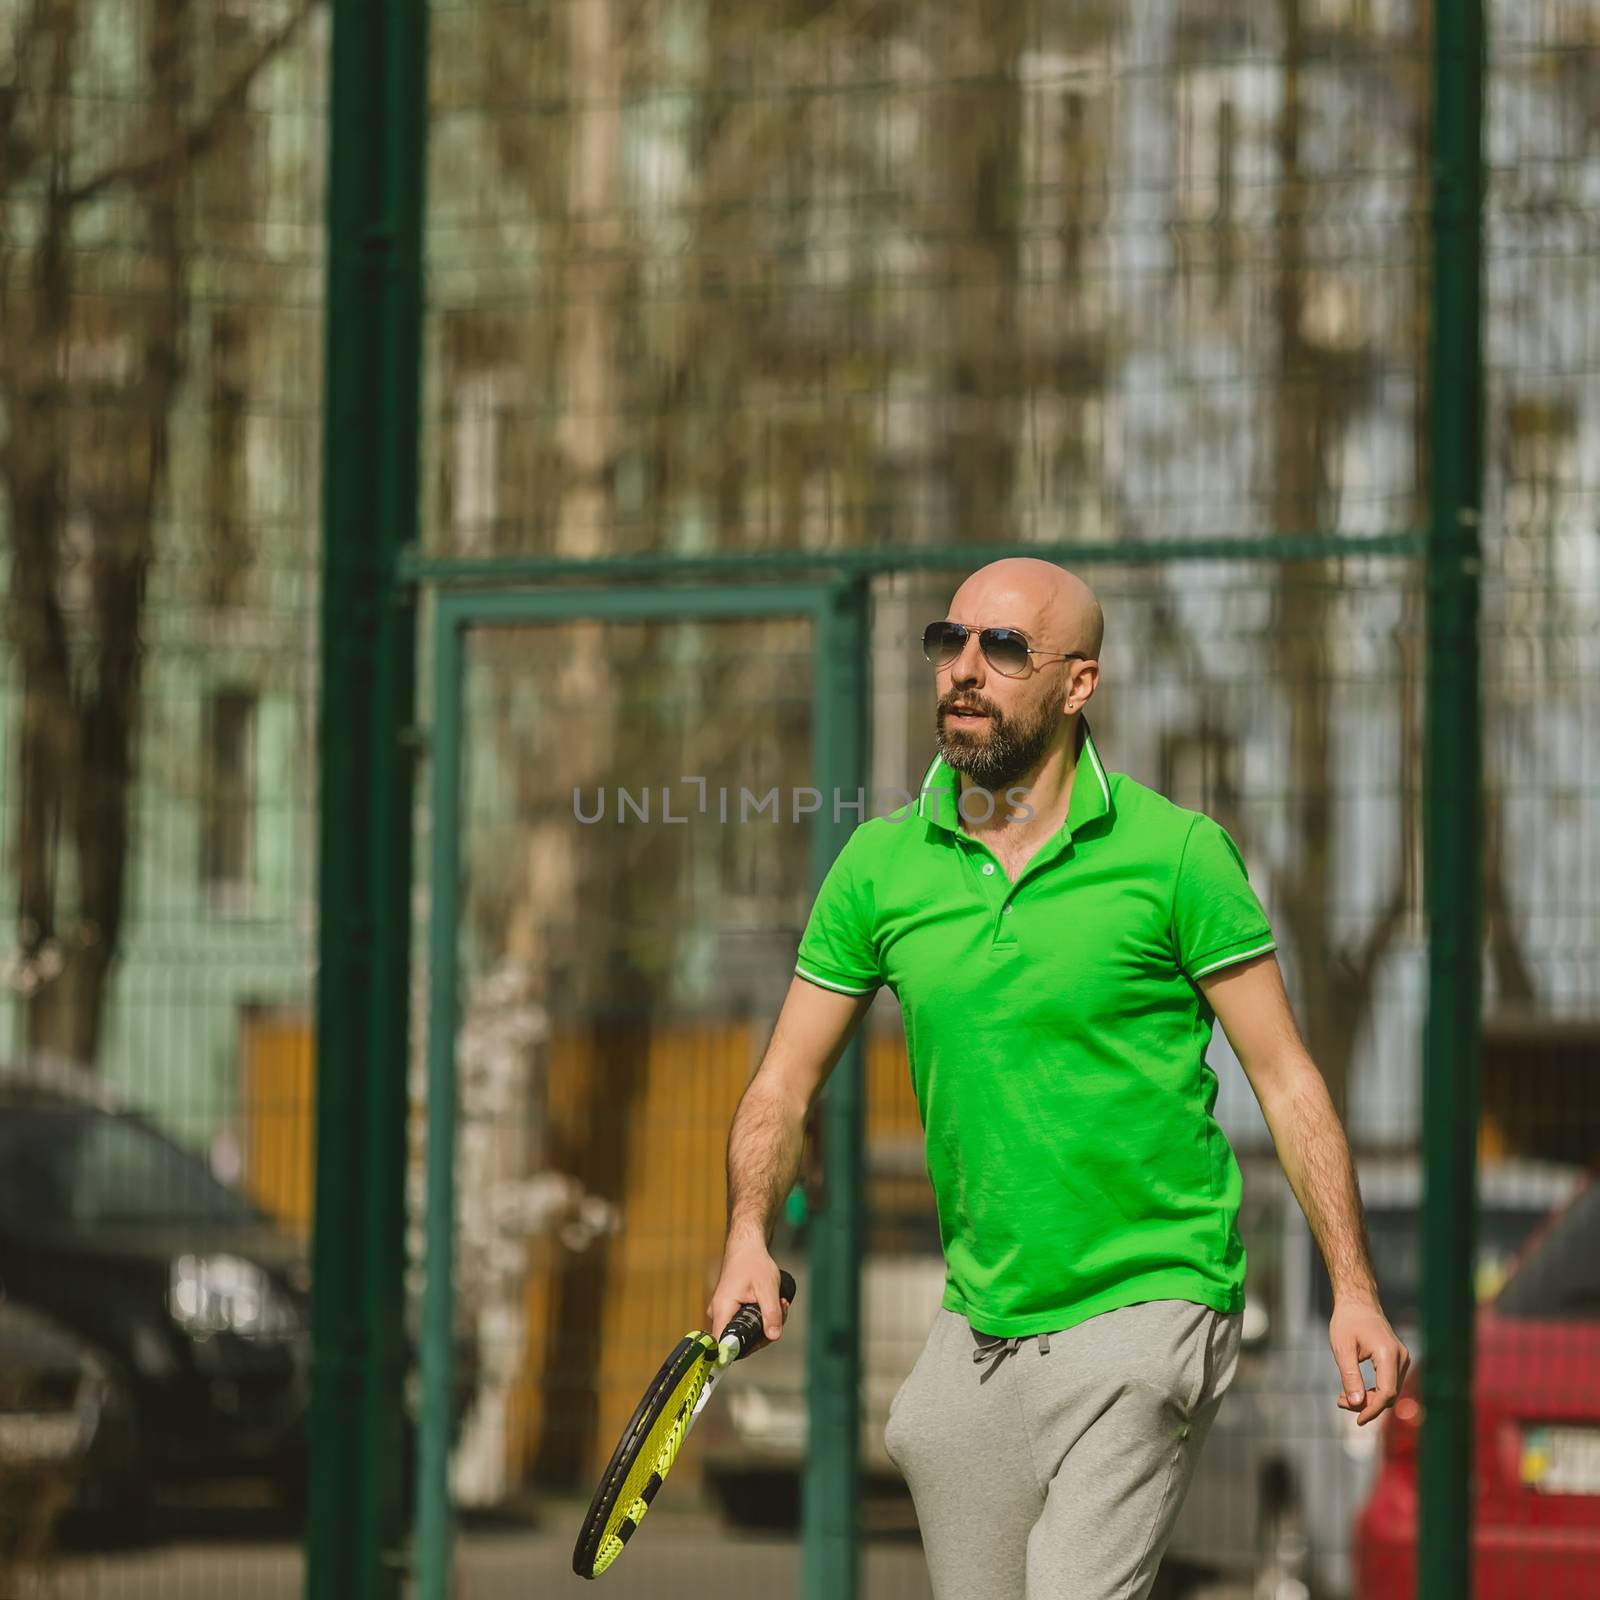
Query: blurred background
[705, 280]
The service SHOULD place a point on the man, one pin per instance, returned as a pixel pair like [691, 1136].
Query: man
[1061, 940]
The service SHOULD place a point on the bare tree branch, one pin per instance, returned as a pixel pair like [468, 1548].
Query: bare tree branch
[194, 141]
[1514, 981]
[1379, 937]
[17, 154]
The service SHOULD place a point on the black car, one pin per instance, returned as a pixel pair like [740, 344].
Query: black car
[195, 1300]
[53, 1397]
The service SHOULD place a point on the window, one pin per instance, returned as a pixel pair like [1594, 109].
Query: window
[1560, 1280]
[228, 547]
[228, 795]
[1397, 1256]
[93, 1169]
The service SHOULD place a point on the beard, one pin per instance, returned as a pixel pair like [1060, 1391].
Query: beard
[997, 756]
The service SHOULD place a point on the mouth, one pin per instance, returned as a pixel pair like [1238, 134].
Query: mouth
[969, 714]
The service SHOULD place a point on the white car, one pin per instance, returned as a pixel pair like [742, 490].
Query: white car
[753, 1440]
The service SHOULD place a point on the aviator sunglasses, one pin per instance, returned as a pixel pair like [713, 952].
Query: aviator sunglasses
[1005, 649]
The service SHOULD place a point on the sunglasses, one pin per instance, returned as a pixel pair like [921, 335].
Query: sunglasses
[1005, 649]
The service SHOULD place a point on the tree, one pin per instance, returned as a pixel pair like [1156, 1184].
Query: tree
[91, 361]
[1318, 383]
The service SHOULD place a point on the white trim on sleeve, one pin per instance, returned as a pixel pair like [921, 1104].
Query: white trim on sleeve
[828, 983]
[1243, 955]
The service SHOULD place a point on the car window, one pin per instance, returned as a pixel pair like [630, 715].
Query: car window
[93, 1168]
[1395, 1233]
[1561, 1277]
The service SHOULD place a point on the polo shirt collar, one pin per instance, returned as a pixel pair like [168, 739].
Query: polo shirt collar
[1091, 789]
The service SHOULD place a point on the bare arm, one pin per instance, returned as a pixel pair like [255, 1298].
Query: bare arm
[767, 1137]
[1251, 1005]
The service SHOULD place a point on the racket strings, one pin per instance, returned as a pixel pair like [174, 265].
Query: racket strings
[660, 1448]
[652, 1460]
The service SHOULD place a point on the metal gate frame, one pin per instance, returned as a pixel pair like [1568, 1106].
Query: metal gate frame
[837, 612]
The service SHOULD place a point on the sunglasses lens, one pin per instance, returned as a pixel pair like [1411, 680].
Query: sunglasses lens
[1004, 650]
[942, 642]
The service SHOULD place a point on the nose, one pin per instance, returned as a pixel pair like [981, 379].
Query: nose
[967, 668]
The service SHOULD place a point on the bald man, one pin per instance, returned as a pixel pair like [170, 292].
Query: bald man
[1061, 940]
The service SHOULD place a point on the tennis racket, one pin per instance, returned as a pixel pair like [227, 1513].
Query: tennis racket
[655, 1433]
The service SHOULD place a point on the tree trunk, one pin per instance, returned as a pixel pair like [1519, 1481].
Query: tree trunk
[976, 184]
[85, 469]
[1309, 412]
[116, 478]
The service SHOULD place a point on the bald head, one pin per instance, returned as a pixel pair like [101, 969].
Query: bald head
[999, 724]
[1054, 607]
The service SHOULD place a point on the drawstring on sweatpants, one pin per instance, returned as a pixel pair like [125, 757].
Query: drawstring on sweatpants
[996, 1348]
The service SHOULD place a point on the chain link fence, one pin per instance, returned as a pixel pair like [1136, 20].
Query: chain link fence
[724, 283]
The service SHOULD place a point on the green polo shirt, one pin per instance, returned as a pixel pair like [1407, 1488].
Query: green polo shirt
[1057, 1040]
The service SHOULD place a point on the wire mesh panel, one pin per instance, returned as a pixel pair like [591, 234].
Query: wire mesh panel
[826, 280]
[1534, 1388]
[635, 854]
[814, 279]
[1541, 596]
[811, 276]
[160, 351]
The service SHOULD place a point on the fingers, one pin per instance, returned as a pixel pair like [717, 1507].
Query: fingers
[774, 1308]
[1348, 1354]
[1385, 1362]
[748, 1283]
[725, 1302]
[1390, 1363]
[719, 1310]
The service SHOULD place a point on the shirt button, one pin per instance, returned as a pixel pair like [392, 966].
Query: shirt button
[1008, 911]
[988, 869]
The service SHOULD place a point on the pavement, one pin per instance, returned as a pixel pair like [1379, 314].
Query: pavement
[680, 1554]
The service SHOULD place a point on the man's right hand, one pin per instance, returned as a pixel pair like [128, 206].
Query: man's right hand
[749, 1274]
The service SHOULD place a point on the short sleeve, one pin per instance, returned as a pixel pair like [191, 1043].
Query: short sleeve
[837, 949]
[1216, 917]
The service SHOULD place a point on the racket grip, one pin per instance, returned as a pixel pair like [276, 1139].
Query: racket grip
[746, 1325]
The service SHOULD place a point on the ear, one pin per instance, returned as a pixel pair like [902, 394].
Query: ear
[1081, 684]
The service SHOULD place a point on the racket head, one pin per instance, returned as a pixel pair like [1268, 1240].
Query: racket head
[644, 1455]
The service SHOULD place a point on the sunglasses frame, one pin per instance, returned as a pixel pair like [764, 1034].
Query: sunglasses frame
[985, 638]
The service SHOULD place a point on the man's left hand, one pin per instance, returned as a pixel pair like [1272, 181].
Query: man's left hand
[1360, 1331]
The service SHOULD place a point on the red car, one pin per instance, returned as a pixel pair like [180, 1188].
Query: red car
[1536, 1391]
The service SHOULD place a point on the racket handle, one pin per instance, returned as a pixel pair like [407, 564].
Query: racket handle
[746, 1325]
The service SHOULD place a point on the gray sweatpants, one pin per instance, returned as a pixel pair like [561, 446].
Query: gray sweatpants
[1053, 1468]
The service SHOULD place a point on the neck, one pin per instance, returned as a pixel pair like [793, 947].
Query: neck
[1047, 792]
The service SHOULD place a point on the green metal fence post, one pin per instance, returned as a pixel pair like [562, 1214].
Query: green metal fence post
[830, 1516]
[1452, 807]
[373, 349]
[434, 1530]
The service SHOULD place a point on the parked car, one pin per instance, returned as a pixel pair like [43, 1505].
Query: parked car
[1283, 1470]
[753, 1442]
[1536, 1433]
[53, 1395]
[194, 1300]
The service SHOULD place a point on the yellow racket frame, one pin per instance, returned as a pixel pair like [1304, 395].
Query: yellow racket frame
[644, 1455]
